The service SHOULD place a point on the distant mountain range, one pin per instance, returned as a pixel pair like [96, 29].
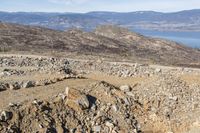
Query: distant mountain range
[149, 20]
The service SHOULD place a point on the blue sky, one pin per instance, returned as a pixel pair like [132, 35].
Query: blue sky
[97, 5]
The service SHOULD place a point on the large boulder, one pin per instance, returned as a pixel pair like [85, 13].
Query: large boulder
[76, 99]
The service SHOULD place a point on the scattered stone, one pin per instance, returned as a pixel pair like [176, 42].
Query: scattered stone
[115, 108]
[2, 87]
[5, 115]
[14, 104]
[28, 84]
[10, 86]
[59, 128]
[109, 124]
[125, 88]
[158, 70]
[16, 86]
[165, 99]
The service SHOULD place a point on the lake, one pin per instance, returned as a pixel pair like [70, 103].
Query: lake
[191, 39]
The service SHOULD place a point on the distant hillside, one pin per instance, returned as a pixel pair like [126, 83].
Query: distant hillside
[57, 21]
[106, 41]
[178, 21]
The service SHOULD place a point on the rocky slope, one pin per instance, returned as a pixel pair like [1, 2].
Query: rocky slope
[97, 96]
[107, 41]
[144, 47]
[25, 38]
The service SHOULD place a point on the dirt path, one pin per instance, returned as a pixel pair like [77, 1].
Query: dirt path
[44, 92]
[41, 92]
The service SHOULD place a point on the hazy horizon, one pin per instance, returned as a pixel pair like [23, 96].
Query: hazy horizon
[96, 11]
[84, 6]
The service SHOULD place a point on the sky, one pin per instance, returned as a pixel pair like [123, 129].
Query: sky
[83, 6]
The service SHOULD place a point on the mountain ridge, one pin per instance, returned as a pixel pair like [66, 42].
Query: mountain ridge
[187, 20]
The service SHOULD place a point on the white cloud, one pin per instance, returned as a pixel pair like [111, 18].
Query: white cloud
[67, 2]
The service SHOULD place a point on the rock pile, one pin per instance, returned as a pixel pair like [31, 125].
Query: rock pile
[31, 83]
[38, 64]
[15, 66]
[9, 72]
[117, 69]
[72, 112]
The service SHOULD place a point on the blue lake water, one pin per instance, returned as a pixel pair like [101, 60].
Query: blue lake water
[191, 39]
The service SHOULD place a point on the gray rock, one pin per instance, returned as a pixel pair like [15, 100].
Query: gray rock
[2, 87]
[16, 86]
[126, 101]
[125, 88]
[29, 84]
[5, 115]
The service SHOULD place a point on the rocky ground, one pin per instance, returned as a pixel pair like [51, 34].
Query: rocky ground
[42, 94]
